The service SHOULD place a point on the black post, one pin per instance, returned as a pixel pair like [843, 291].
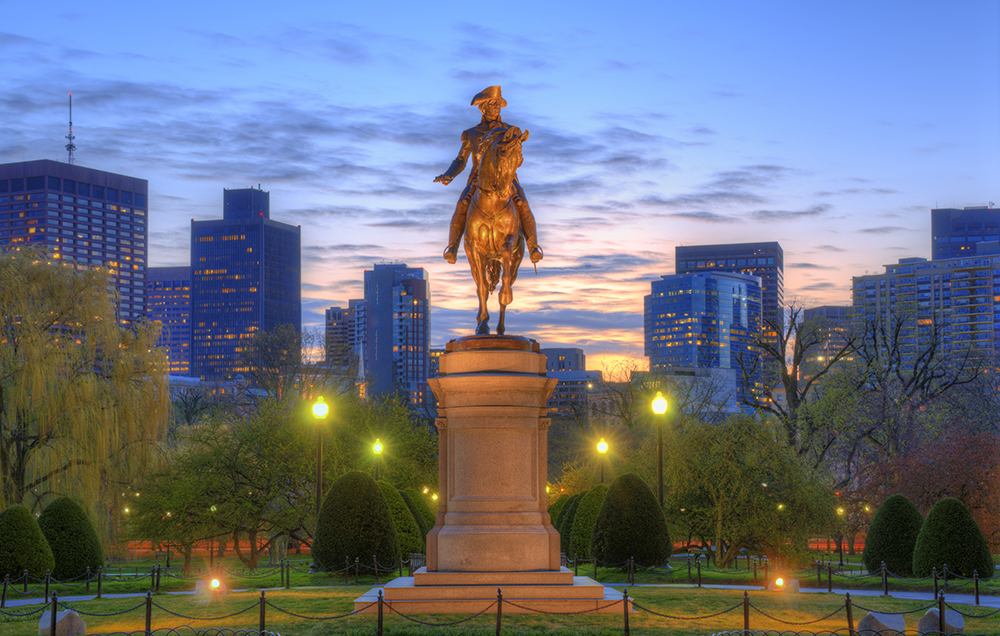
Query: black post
[149, 613]
[158, 570]
[357, 569]
[595, 568]
[100, 577]
[375, 563]
[347, 571]
[288, 575]
[829, 577]
[262, 620]
[26, 581]
[409, 565]
[934, 574]
[55, 607]
[6, 580]
[746, 614]
[885, 580]
[755, 572]
[689, 569]
[379, 630]
[625, 608]
[576, 564]
[941, 613]
[819, 573]
[975, 584]
[767, 576]
[48, 576]
[499, 608]
[152, 579]
[88, 579]
[697, 562]
[400, 567]
[944, 578]
[850, 615]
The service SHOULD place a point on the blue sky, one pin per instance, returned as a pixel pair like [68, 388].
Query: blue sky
[830, 127]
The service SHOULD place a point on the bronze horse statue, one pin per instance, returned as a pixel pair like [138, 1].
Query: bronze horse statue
[493, 241]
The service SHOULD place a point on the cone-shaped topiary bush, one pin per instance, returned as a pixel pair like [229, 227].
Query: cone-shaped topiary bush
[427, 515]
[951, 537]
[892, 535]
[22, 544]
[72, 538]
[557, 507]
[407, 530]
[355, 522]
[631, 524]
[584, 520]
[415, 511]
[565, 526]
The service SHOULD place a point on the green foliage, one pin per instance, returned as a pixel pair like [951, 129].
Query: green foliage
[951, 537]
[892, 535]
[566, 522]
[557, 507]
[72, 539]
[423, 509]
[22, 544]
[407, 531]
[584, 520]
[355, 522]
[415, 511]
[631, 524]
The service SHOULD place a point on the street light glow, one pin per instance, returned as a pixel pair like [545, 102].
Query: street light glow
[377, 446]
[659, 403]
[320, 409]
[602, 446]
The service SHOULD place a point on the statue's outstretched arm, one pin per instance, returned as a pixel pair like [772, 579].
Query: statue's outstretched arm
[458, 165]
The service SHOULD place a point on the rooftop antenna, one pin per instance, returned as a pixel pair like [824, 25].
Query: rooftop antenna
[71, 147]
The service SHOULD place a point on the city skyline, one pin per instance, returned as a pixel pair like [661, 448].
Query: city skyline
[832, 130]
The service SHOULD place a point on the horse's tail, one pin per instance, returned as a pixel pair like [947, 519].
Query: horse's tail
[493, 274]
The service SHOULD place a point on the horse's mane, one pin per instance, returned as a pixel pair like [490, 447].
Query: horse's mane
[499, 162]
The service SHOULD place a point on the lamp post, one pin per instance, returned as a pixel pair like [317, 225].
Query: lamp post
[659, 408]
[377, 449]
[320, 410]
[602, 448]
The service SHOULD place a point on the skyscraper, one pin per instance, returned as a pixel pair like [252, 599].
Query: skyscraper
[340, 335]
[168, 302]
[94, 217]
[397, 332]
[955, 233]
[245, 277]
[706, 320]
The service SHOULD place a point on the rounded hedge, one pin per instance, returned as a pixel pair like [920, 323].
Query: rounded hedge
[892, 535]
[355, 522]
[557, 507]
[950, 536]
[71, 536]
[428, 516]
[412, 505]
[565, 526]
[22, 544]
[584, 520]
[631, 524]
[411, 540]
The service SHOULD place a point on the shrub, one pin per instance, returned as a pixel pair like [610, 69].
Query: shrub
[892, 535]
[951, 537]
[415, 511]
[583, 521]
[565, 526]
[407, 530]
[429, 518]
[355, 522]
[631, 524]
[71, 536]
[22, 544]
[557, 507]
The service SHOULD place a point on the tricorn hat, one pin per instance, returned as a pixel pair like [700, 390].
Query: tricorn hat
[491, 93]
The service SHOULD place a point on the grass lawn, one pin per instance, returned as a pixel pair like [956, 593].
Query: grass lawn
[324, 602]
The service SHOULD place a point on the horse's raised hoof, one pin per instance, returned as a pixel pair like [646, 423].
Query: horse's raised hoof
[506, 295]
[451, 254]
[536, 254]
[483, 329]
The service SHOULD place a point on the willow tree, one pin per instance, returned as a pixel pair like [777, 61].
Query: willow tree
[82, 400]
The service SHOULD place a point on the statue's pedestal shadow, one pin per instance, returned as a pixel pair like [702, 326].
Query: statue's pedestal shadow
[493, 528]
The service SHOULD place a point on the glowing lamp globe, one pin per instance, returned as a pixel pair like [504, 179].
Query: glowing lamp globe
[659, 403]
[602, 446]
[320, 409]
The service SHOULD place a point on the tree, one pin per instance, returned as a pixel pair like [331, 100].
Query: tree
[738, 485]
[584, 520]
[22, 544]
[82, 400]
[892, 535]
[951, 537]
[277, 363]
[355, 522]
[631, 524]
[71, 536]
[407, 530]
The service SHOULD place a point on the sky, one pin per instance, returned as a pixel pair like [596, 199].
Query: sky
[832, 128]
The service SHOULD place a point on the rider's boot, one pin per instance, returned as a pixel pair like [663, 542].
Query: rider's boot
[455, 232]
[528, 230]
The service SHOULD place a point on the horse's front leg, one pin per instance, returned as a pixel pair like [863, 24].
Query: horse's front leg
[477, 263]
[507, 262]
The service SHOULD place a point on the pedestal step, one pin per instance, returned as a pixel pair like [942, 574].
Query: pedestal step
[563, 576]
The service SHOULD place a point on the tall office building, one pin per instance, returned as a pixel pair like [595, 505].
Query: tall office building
[835, 321]
[245, 278]
[340, 335]
[397, 331]
[569, 366]
[955, 233]
[94, 217]
[168, 302]
[706, 320]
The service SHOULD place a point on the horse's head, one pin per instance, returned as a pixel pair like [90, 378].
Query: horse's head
[501, 159]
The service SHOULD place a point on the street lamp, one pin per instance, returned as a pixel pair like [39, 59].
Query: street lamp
[320, 411]
[377, 449]
[602, 448]
[659, 408]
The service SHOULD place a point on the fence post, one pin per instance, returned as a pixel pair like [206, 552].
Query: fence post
[262, 618]
[26, 581]
[159, 569]
[595, 567]
[697, 561]
[689, 569]
[941, 613]
[379, 630]
[829, 577]
[746, 614]
[400, 567]
[48, 577]
[375, 563]
[625, 608]
[55, 607]
[409, 565]
[850, 615]
[885, 580]
[944, 578]
[934, 574]
[819, 573]
[357, 569]
[88, 579]
[149, 613]
[152, 579]
[576, 565]
[6, 580]
[767, 574]
[499, 608]
[975, 585]
[288, 575]
[347, 571]
[100, 577]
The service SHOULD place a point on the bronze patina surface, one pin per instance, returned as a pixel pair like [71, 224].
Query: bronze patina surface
[472, 343]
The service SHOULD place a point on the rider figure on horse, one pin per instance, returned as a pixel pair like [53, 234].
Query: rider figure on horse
[490, 102]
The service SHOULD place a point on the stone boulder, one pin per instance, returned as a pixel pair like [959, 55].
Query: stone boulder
[954, 623]
[68, 623]
[878, 624]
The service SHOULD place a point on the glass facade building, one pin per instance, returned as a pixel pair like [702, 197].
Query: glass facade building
[92, 217]
[708, 320]
[955, 233]
[168, 302]
[245, 277]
